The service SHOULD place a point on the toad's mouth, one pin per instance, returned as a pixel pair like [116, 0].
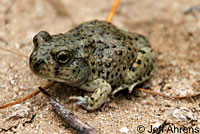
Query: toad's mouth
[71, 81]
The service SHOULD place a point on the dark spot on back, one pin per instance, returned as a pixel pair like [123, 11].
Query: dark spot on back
[142, 51]
[76, 34]
[93, 71]
[130, 38]
[139, 61]
[108, 73]
[108, 65]
[107, 46]
[100, 63]
[116, 74]
[113, 46]
[132, 69]
[93, 62]
[118, 38]
[145, 65]
[99, 41]
[136, 38]
[124, 68]
[119, 52]
[111, 82]
[114, 65]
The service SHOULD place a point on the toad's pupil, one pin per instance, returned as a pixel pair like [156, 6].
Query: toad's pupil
[63, 57]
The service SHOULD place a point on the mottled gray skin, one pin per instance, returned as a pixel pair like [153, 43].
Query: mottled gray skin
[94, 56]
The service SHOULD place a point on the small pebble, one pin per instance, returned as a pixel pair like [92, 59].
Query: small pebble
[111, 115]
[84, 111]
[184, 114]
[124, 130]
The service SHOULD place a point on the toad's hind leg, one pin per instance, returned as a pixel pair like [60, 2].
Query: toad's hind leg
[101, 91]
[140, 71]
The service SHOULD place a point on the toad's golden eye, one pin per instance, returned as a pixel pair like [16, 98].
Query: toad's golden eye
[63, 57]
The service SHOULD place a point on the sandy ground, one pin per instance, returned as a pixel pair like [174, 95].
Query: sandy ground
[174, 37]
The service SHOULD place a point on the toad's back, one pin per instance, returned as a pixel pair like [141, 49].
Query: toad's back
[109, 51]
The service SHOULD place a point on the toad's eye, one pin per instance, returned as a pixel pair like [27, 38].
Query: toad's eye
[63, 57]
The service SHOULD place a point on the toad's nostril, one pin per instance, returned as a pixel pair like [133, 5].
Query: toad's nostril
[37, 64]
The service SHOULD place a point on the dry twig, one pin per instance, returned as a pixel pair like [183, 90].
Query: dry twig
[28, 96]
[13, 52]
[68, 117]
[113, 10]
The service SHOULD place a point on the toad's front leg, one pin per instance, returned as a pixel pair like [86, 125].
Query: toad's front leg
[101, 91]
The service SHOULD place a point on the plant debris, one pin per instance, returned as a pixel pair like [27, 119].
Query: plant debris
[68, 117]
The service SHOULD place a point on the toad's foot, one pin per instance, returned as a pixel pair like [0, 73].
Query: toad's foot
[124, 86]
[99, 96]
[83, 101]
